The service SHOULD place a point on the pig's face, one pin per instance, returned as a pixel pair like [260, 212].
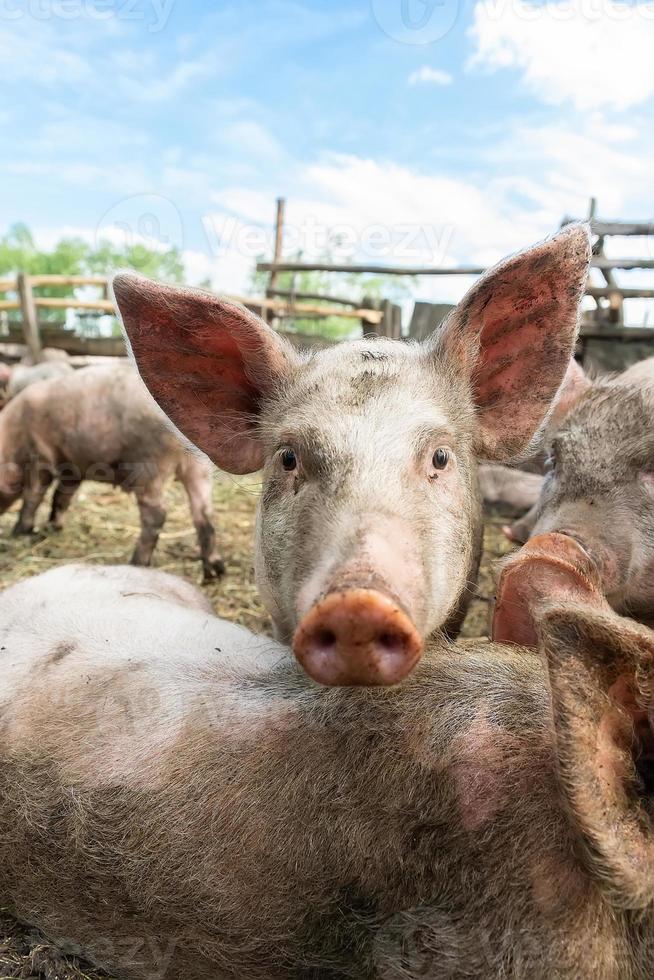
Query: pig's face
[599, 489]
[369, 484]
[369, 518]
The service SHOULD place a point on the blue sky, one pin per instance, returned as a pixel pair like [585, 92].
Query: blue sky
[420, 130]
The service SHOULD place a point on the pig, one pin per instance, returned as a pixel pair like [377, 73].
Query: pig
[369, 524]
[639, 375]
[46, 354]
[23, 375]
[18, 376]
[178, 799]
[608, 510]
[600, 489]
[100, 424]
[548, 565]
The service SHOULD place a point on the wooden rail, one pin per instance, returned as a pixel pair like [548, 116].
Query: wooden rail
[608, 298]
[280, 308]
[624, 229]
[427, 270]
[626, 292]
[30, 304]
[66, 303]
[379, 317]
[384, 270]
[319, 297]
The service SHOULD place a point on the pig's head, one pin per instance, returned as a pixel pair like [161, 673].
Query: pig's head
[369, 522]
[599, 489]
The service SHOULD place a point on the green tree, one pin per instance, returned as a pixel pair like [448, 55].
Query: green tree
[75, 257]
[106, 258]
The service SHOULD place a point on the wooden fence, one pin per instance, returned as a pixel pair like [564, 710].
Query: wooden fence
[603, 328]
[34, 335]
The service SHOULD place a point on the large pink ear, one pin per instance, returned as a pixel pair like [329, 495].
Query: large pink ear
[208, 363]
[550, 568]
[514, 332]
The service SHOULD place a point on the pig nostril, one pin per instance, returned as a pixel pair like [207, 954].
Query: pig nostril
[391, 642]
[325, 639]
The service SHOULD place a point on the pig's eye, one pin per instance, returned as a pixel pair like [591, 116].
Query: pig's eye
[440, 459]
[289, 460]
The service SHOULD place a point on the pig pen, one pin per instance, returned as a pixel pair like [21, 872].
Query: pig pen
[101, 527]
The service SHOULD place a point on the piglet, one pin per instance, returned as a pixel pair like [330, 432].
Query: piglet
[100, 424]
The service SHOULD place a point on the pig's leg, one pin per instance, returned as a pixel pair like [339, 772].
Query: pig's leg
[61, 501]
[153, 517]
[196, 477]
[37, 482]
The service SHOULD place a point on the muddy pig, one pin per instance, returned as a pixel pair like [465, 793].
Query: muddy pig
[100, 423]
[369, 525]
[640, 375]
[179, 800]
[15, 377]
[599, 489]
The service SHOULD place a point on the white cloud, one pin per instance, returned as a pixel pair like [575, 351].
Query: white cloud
[562, 164]
[591, 53]
[166, 85]
[371, 211]
[123, 179]
[31, 58]
[430, 76]
[385, 213]
[252, 139]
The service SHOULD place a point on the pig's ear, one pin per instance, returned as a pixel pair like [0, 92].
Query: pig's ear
[575, 384]
[208, 363]
[514, 333]
[601, 671]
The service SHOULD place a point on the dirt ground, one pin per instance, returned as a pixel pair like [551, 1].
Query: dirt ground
[102, 527]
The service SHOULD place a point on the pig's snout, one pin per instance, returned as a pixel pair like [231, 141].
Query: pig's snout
[357, 637]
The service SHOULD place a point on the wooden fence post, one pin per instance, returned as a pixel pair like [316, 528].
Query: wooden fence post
[391, 325]
[30, 318]
[369, 329]
[277, 256]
